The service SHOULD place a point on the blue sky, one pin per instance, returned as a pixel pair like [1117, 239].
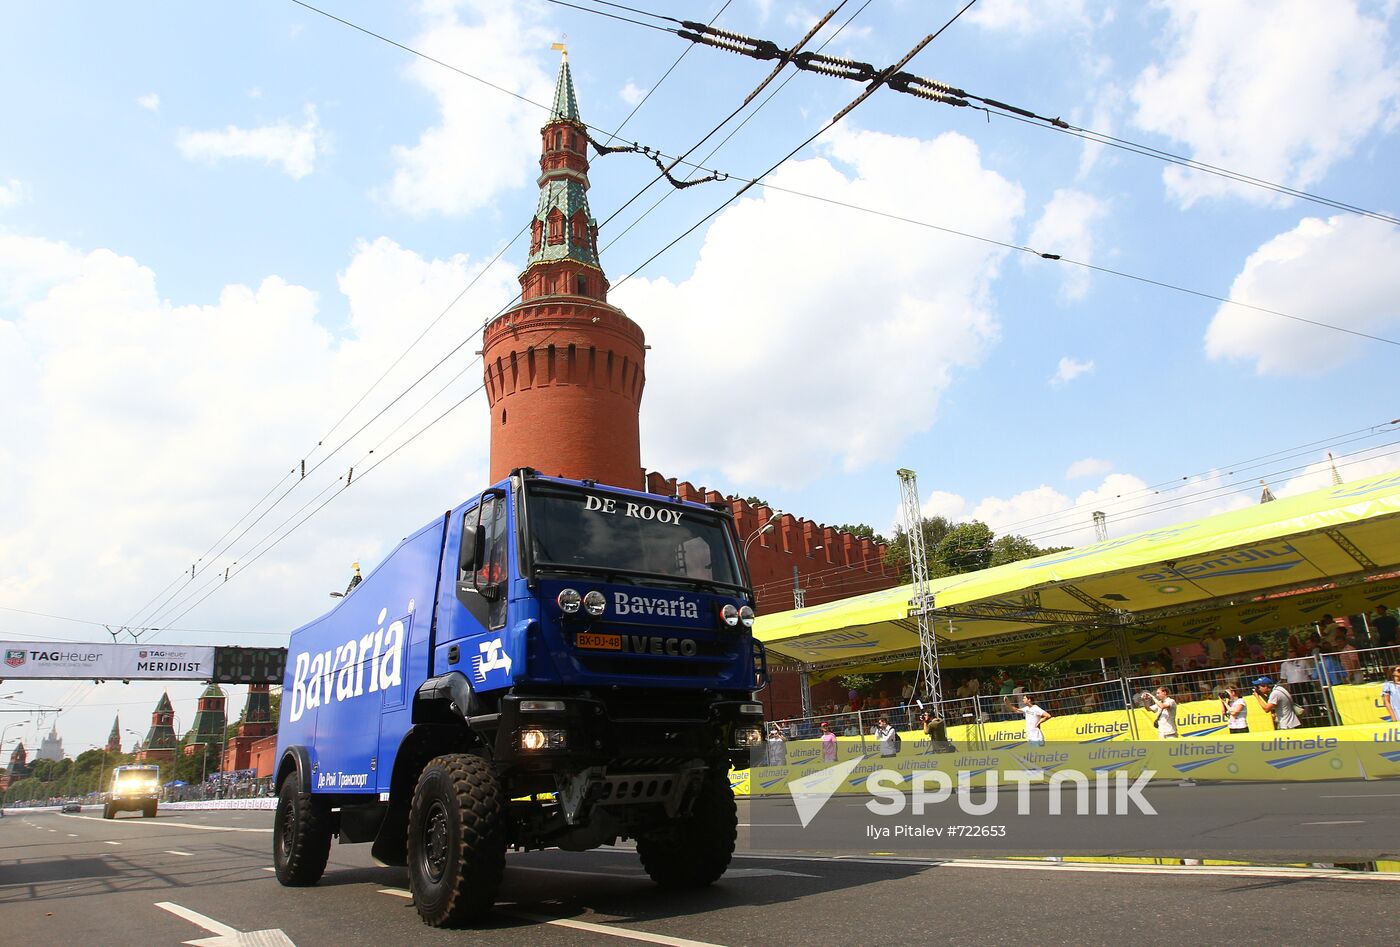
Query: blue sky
[219, 224]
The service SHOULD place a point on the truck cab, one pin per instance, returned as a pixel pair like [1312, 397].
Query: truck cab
[552, 663]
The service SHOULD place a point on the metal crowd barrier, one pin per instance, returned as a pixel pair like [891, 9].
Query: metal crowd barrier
[1315, 676]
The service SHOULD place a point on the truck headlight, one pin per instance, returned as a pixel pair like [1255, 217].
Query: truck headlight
[746, 737]
[746, 616]
[594, 603]
[729, 615]
[569, 600]
[542, 739]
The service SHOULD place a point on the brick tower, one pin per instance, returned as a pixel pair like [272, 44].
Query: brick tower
[160, 742]
[564, 370]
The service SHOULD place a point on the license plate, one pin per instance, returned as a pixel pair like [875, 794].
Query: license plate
[599, 642]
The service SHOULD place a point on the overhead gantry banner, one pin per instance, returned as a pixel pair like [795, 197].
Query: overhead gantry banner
[54, 660]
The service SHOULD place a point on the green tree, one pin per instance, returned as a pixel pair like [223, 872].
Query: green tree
[955, 548]
[897, 552]
[863, 531]
[966, 547]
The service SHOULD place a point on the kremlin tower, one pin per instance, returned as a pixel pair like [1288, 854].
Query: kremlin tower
[114, 739]
[159, 745]
[564, 370]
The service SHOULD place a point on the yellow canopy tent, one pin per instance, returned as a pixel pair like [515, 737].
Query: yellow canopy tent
[1266, 566]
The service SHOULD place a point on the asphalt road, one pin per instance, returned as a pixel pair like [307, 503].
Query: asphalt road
[80, 880]
[1342, 821]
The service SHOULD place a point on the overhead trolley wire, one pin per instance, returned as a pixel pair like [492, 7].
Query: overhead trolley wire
[945, 93]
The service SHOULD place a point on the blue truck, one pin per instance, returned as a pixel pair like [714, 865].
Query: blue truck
[553, 663]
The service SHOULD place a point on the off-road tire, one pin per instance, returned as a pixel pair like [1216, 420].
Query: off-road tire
[108, 812]
[148, 811]
[301, 835]
[456, 840]
[695, 851]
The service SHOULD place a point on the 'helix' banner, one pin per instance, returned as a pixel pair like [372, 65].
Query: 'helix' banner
[125, 662]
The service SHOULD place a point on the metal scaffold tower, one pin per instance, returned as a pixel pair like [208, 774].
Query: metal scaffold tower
[921, 603]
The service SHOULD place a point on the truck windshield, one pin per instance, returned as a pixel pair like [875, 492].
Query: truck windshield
[129, 779]
[580, 530]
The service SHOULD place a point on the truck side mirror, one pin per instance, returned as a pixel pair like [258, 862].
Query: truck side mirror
[478, 547]
[472, 542]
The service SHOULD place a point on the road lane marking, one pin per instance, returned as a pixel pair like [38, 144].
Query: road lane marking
[164, 823]
[1259, 871]
[225, 936]
[607, 930]
[268, 868]
[171, 851]
[1338, 822]
[1365, 795]
[197, 919]
[397, 892]
[72, 835]
[111, 843]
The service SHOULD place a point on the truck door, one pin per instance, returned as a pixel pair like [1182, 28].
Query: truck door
[474, 640]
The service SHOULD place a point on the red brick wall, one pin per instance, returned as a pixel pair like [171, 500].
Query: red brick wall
[262, 756]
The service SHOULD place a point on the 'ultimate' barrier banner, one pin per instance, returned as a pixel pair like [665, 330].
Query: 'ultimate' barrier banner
[53, 660]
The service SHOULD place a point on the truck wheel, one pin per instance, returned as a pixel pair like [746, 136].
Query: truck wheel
[107, 812]
[301, 835]
[456, 840]
[148, 811]
[695, 851]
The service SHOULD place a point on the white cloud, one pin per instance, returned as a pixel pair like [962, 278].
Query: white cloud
[11, 193]
[1088, 467]
[1069, 369]
[452, 169]
[150, 102]
[1344, 270]
[821, 317]
[1278, 89]
[631, 93]
[292, 147]
[165, 420]
[1065, 228]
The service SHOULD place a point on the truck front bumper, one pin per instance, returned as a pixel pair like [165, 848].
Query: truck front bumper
[549, 732]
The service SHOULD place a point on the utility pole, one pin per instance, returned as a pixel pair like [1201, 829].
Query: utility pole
[799, 594]
[921, 602]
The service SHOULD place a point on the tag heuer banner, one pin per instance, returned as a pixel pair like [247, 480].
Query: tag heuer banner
[122, 662]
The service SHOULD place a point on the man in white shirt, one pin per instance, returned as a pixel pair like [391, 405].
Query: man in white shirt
[1035, 716]
[1165, 709]
[1277, 701]
[1296, 669]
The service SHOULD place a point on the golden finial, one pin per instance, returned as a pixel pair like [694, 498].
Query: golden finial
[563, 50]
